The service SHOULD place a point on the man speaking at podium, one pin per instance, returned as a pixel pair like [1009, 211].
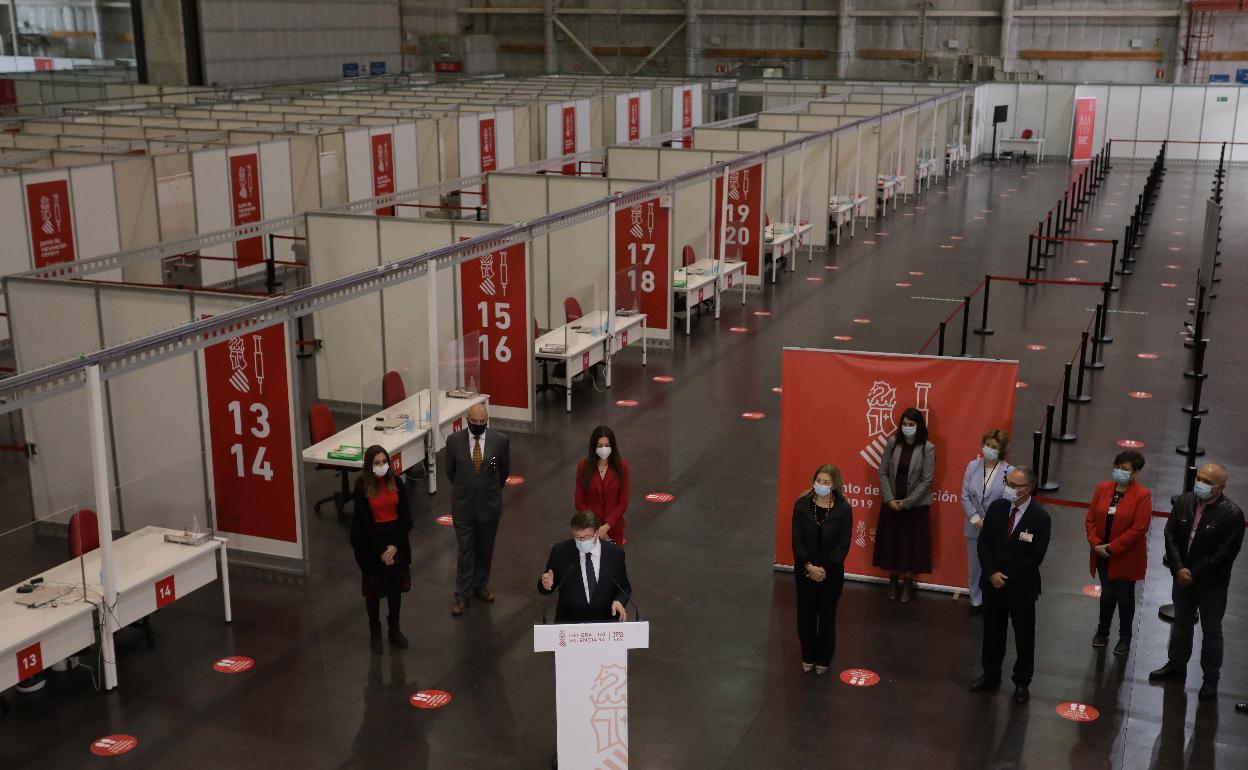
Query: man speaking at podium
[589, 574]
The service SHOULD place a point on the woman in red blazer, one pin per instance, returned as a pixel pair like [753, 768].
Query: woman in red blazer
[1118, 520]
[602, 484]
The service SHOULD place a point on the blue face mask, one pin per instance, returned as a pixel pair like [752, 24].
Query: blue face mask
[1121, 476]
[1202, 490]
[909, 430]
[585, 546]
[990, 454]
[822, 490]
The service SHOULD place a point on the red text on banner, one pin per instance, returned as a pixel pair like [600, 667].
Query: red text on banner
[568, 132]
[249, 426]
[487, 144]
[383, 169]
[51, 222]
[634, 118]
[29, 661]
[1085, 127]
[686, 115]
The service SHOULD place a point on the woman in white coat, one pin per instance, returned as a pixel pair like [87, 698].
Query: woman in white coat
[982, 485]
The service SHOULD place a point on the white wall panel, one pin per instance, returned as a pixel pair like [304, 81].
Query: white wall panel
[95, 210]
[1220, 109]
[406, 172]
[1059, 116]
[1155, 104]
[14, 248]
[1123, 114]
[359, 165]
[210, 174]
[1185, 122]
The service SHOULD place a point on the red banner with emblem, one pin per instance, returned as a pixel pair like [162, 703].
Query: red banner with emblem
[487, 145]
[568, 132]
[383, 169]
[634, 118]
[642, 249]
[686, 115]
[1085, 128]
[51, 219]
[743, 236]
[245, 206]
[961, 399]
[494, 303]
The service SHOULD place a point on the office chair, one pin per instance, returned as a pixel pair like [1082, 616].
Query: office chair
[321, 426]
[392, 390]
[84, 537]
[572, 310]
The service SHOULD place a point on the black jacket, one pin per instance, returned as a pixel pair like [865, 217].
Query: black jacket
[1218, 538]
[566, 560]
[367, 543]
[477, 496]
[1011, 555]
[838, 527]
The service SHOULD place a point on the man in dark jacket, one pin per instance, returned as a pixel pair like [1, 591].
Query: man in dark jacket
[1203, 536]
[589, 574]
[477, 462]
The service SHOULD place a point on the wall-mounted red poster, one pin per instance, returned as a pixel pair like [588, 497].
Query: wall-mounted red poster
[569, 138]
[487, 144]
[1085, 128]
[961, 398]
[253, 475]
[8, 92]
[494, 302]
[51, 218]
[245, 205]
[642, 248]
[383, 169]
[634, 118]
[43, 65]
[743, 236]
[686, 115]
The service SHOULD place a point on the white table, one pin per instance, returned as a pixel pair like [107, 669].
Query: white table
[50, 634]
[955, 156]
[1035, 145]
[854, 205]
[887, 187]
[924, 171]
[416, 443]
[693, 281]
[585, 344]
[779, 238]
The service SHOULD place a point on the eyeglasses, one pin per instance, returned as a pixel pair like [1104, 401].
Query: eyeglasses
[1012, 485]
[584, 539]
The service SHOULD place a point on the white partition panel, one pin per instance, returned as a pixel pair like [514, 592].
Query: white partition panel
[633, 162]
[359, 167]
[1185, 122]
[691, 208]
[784, 122]
[1059, 115]
[520, 198]
[211, 195]
[1238, 152]
[579, 255]
[95, 210]
[1218, 123]
[276, 191]
[14, 247]
[1154, 123]
[1028, 112]
[1123, 114]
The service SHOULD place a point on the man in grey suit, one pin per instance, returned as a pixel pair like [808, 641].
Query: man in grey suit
[477, 462]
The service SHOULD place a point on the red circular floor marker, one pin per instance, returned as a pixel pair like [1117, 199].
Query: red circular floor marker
[752, 415]
[777, 389]
[1093, 592]
[738, 329]
[1178, 233]
[235, 664]
[1020, 385]
[917, 272]
[112, 745]
[1140, 394]
[445, 521]
[814, 278]
[946, 246]
[1098, 229]
[762, 313]
[1147, 356]
[860, 677]
[1077, 712]
[514, 480]
[1174, 267]
[977, 217]
[882, 234]
[1071, 278]
[1037, 347]
[663, 378]
[627, 402]
[831, 267]
[1130, 443]
[869, 243]
[1081, 261]
[430, 699]
[660, 497]
[862, 320]
[904, 284]
[1176, 248]
[1169, 285]
[842, 338]
[920, 208]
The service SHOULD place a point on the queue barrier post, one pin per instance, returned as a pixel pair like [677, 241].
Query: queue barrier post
[940, 343]
[1080, 397]
[1195, 406]
[1036, 438]
[1064, 435]
[966, 321]
[983, 322]
[1113, 265]
[1192, 448]
[1045, 484]
[1103, 333]
[1096, 362]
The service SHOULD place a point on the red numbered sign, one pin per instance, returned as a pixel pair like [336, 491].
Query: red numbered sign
[634, 118]
[383, 169]
[396, 462]
[51, 222]
[686, 115]
[29, 661]
[166, 591]
[249, 426]
[568, 132]
[487, 145]
[642, 247]
[743, 236]
[495, 303]
[245, 205]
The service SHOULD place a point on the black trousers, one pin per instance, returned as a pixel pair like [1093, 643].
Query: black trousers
[1210, 599]
[1118, 594]
[373, 604]
[816, 616]
[1000, 610]
[476, 554]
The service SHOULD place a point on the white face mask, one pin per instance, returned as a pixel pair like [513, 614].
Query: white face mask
[586, 546]
[822, 490]
[990, 454]
[909, 430]
[1010, 493]
[380, 470]
[603, 452]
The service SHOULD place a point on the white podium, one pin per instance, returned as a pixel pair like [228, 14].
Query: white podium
[591, 689]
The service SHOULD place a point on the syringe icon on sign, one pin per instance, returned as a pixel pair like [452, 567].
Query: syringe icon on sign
[650, 219]
[258, 357]
[502, 271]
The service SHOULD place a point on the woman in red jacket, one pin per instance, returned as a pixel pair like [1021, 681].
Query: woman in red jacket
[1118, 519]
[602, 484]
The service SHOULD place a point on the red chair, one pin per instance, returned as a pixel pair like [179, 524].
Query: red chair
[1027, 133]
[321, 426]
[687, 256]
[392, 391]
[572, 310]
[84, 533]
[767, 220]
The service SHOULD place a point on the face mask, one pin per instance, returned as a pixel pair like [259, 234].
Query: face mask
[380, 470]
[1121, 476]
[1011, 494]
[603, 452]
[823, 490]
[909, 430]
[475, 429]
[991, 454]
[1202, 490]
[585, 546]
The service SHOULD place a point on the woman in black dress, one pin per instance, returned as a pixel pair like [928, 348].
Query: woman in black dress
[822, 522]
[903, 538]
[379, 530]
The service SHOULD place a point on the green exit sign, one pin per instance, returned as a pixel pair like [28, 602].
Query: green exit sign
[1221, 98]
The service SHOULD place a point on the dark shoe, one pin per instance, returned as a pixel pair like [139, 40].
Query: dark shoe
[374, 639]
[1100, 639]
[892, 588]
[1242, 708]
[397, 640]
[976, 609]
[484, 595]
[1165, 672]
[1123, 647]
[907, 590]
[1021, 695]
[985, 682]
[458, 608]
[1208, 691]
